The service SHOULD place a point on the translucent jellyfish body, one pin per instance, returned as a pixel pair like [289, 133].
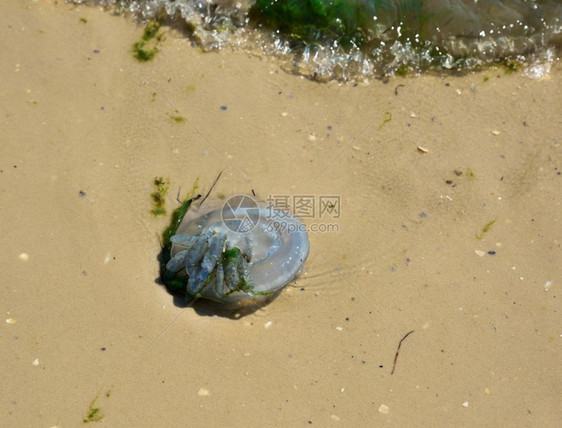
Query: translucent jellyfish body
[237, 250]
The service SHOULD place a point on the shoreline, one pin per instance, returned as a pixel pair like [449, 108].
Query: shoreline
[393, 51]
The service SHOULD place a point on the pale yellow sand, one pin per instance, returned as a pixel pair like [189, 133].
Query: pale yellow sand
[85, 307]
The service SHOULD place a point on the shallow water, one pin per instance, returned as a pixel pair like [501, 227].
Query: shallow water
[354, 39]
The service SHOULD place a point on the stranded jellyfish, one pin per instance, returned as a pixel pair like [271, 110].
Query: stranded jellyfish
[236, 251]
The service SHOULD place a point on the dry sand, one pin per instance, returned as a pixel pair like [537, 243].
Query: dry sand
[86, 318]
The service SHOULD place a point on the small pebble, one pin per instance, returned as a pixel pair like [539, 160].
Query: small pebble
[384, 409]
[491, 252]
[24, 257]
[480, 253]
[223, 108]
[267, 324]
[203, 392]
[422, 149]
[35, 362]
[495, 132]
[312, 137]
[335, 418]
[465, 404]
[413, 114]
[339, 328]
[284, 114]
[10, 321]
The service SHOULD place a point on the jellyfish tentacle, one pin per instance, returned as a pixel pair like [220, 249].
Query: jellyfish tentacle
[215, 252]
[183, 240]
[176, 263]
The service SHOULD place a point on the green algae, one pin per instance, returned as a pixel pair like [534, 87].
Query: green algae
[175, 285]
[177, 117]
[350, 23]
[147, 47]
[485, 229]
[94, 413]
[159, 196]
[387, 118]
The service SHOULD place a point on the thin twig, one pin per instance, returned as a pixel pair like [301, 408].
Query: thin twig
[211, 189]
[398, 350]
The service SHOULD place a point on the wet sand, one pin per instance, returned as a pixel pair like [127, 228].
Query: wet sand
[449, 224]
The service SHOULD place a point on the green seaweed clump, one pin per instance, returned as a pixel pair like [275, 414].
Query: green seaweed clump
[312, 20]
[511, 66]
[350, 23]
[159, 196]
[177, 117]
[145, 49]
[94, 413]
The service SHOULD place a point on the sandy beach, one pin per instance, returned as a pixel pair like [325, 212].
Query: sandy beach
[449, 193]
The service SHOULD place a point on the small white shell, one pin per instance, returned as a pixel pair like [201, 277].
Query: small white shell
[275, 241]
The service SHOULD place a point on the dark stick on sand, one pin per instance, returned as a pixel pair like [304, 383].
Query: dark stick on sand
[398, 350]
[211, 189]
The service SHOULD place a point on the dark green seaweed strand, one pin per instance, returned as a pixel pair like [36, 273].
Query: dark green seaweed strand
[173, 284]
[177, 217]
